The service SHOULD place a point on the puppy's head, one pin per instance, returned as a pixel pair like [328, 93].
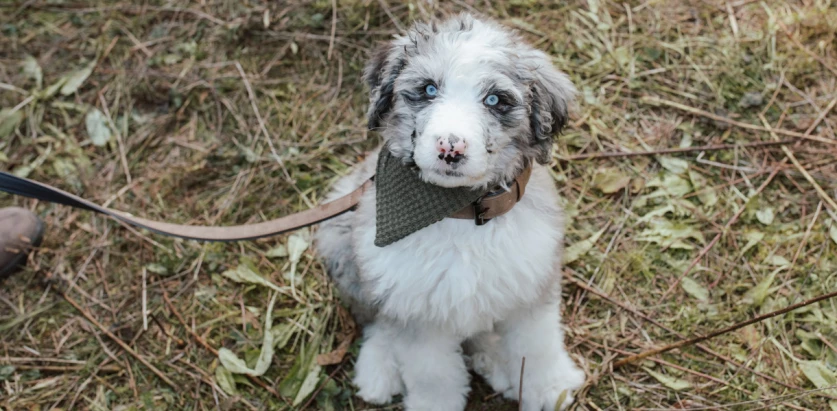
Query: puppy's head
[466, 101]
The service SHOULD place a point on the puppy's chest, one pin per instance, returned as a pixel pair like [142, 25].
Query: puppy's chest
[460, 274]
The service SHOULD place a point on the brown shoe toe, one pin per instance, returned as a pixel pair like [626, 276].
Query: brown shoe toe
[20, 232]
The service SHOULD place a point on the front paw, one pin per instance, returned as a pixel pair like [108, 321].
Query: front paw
[555, 395]
[377, 388]
[554, 399]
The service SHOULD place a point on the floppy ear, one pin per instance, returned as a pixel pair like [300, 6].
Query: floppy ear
[380, 74]
[552, 93]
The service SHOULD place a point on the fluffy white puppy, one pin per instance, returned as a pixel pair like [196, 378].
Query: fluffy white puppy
[468, 104]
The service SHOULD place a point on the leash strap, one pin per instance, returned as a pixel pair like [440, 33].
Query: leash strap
[24, 187]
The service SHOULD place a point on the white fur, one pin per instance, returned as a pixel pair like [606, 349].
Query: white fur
[494, 289]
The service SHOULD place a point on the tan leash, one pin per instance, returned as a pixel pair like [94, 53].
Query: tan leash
[21, 186]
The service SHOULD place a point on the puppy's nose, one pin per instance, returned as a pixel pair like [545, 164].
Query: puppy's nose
[451, 148]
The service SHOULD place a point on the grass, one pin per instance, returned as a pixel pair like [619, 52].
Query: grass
[192, 92]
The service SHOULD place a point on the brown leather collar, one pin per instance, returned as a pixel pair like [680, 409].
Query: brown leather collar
[496, 203]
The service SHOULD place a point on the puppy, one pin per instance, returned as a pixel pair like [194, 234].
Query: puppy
[455, 294]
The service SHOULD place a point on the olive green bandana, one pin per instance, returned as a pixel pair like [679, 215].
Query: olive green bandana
[406, 204]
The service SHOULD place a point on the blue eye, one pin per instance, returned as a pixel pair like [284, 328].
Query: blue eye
[431, 90]
[492, 100]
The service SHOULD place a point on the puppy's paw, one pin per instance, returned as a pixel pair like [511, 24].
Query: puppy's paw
[554, 399]
[491, 370]
[378, 387]
[555, 394]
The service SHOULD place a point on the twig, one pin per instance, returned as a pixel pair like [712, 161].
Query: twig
[721, 233]
[333, 27]
[717, 147]
[120, 145]
[144, 299]
[691, 341]
[520, 389]
[391, 16]
[825, 197]
[634, 311]
[320, 388]
[118, 341]
[699, 112]
[66, 368]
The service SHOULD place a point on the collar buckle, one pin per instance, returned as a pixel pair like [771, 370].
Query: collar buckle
[479, 212]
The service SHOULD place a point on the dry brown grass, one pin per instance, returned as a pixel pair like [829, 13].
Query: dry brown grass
[190, 145]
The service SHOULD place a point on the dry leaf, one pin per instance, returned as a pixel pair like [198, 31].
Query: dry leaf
[237, 365]
[610, 180]
[32, 70]
[694, 289]
[675, 165]
[9, 121]
[675, 384]
[759, 293]
[579, 249]
[73, 80]
[225, 380]
[244, 274]
[766, 215]
[97, 127]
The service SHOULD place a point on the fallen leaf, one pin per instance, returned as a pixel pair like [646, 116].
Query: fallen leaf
[237, 365]
[670, 185]
[751, 336]
[670, 234]
[675, 165]
[610, 180]
[225, 380]
[751, 99]
[157, 268]
[74, 80]
[280, 251]
[6, 371]
[309, 384]
[753, 238]
[297, 244]
[777, 260]
[97, 127]
[766, 215]
[670, 382]
[32, 70]
[705, 193]
[245, 274]
[336, 356]
[819, 375]
[9, 121]
[695, 289]
[67, 170]
[579, 249]
[756, 295]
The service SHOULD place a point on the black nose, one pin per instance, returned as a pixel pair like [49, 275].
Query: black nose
[451, 148]
[451, 158]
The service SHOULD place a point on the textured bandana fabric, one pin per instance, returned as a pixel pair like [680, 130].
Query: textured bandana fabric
[406, 204]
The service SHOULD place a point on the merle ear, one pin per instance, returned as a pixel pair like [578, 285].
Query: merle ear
[380, 74]
[552, 93]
